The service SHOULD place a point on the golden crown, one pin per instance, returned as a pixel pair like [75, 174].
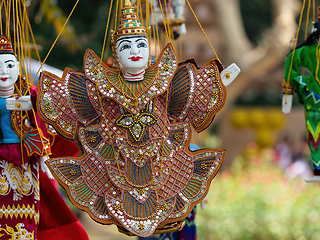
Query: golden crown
[129, 23]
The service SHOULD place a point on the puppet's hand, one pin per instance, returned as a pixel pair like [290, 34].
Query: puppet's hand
[44, 166]
[313, 179]
[204, 202]
[286, 104]
[19, 103]
[229, 74]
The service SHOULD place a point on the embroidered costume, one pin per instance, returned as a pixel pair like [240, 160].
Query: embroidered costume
[308, 91]
[136, 170]
[23, 141]
[19, 179]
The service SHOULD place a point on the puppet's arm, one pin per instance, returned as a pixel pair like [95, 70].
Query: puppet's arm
[291, 71]
[44, 166]
[199, 93]
[19, 103]
[229, 74]
[286, 103]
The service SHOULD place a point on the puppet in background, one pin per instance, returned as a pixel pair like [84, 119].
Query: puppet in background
[172, 10]
[19, 161]
[307, 87]
[136, 170]
[27, 197]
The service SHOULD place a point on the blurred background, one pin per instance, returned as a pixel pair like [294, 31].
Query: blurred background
[259, 192]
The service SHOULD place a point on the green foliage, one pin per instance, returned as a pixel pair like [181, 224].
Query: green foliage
[86, 26]
[256, 201]
[256, 15]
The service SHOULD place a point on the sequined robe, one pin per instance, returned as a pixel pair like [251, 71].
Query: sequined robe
[136, 170]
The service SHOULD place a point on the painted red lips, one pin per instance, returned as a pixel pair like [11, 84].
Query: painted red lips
[4, 79]
[133, 58]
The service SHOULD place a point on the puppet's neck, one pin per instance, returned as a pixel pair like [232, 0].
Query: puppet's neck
[6, 92]
[132, 77]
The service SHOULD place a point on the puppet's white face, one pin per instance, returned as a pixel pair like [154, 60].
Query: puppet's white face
[9, 70]
[132, 53]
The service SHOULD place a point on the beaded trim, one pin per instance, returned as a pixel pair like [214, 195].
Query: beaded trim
[157, 80]
[198, 94]
[32, 137]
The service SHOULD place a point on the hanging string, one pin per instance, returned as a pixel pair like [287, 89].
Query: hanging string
[138, 9]
[203, 30]
[98, 93]
[8, 19]
[156, 26]
[180, 48]
[164, 23]
[27, 40]
[154, 31]
[105, 35]
[168, 20]
[24, 40]
[14, 18]
[318, 62]
[170, 28]
[33, 39]
[1, 6]
[307, 20]
[314, 11]
[55, 41]
[141, 13]
[295, 45]
[148, 24]
[17, 50]
[108, 42]
[115, 22]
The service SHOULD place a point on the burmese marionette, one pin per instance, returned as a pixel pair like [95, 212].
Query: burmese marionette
[19, 154]
[307, 87]
[133, 123]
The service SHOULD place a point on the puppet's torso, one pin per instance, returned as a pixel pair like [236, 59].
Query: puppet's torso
[136, 169]
[19, 173]
[305, 84]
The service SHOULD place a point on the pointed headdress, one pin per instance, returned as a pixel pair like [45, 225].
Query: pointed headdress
[129, 23]
[5, 46]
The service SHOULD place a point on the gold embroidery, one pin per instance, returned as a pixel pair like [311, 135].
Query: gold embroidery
[47, 83]
[11, 177]
[21, 232]
[4, 186]
[141, 226]
[66, 124]
[19, 211]
[203, 166]
[18, 105]
[140, 191]
[158, 85]
[48, 108]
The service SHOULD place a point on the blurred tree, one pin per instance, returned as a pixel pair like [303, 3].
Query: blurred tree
[262, 37]
[85, 29]
[256, 16]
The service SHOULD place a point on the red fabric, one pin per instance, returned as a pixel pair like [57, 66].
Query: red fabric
[71, 231]
[62, 147]
[12, 153]
[56, 219]
[23, 205]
